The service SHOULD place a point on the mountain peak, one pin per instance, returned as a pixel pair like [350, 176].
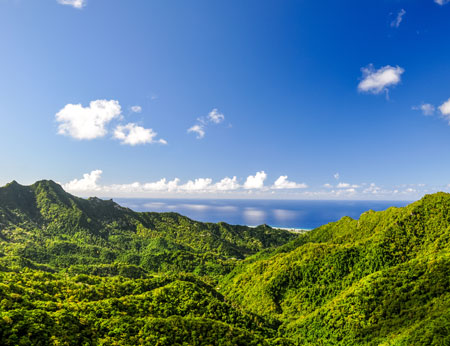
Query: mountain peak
[13, 185]
[12, 188]
[46, 182]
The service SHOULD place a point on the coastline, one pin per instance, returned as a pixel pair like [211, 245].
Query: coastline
[289, 229]
[294, 230]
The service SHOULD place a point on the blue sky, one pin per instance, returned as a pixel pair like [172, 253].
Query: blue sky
[263, 99]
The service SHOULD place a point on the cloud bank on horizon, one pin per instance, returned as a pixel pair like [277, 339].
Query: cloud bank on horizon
[252, 187]
[89, 183]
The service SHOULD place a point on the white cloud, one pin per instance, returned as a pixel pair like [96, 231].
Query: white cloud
[372, 189]
[426, 109]
[227, 184]
[91, 122]
[90, 185]
[342, 185]
[87, 122]
[74, 3]
[346, 185]
[200, 184]
[441, 2]
[255, 181]
[445, 110]
[198, 129]
[396, 22]
[377, 81]
[87, 183]
[196, 185]
[283, 183]
[215, 117]
[162, 185]
[133, 134]
[122, 188]
[136, 109]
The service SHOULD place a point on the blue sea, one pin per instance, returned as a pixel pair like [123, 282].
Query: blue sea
[276, 213]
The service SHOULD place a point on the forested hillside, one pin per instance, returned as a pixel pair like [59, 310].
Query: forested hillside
[89, 272]
[44, 227]
[382, 279]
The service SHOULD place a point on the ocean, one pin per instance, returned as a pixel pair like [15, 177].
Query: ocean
[276, 213]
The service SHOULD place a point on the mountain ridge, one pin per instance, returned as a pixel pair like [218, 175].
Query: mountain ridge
[46, 209]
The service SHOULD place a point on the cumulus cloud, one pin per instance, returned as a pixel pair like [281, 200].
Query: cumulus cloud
[283, 183]
[196, 185]
[227, 184]
[396, 22]
[200, 184]
[377, 81]
[198, 129]
[162, 185]
[342, 185]
[346, 185]
[133, 134]
[350, 190]
[90, 185]
[372, 189]
[74, 3]
[441, 2]
[426, 109]
[445, 110]
[255, 181]
[87, 122]
[136, 109]
[87, 183]
[213, 117]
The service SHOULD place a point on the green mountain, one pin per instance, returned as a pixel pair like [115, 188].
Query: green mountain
[381, 280]
[89, 272]
[43, 226]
